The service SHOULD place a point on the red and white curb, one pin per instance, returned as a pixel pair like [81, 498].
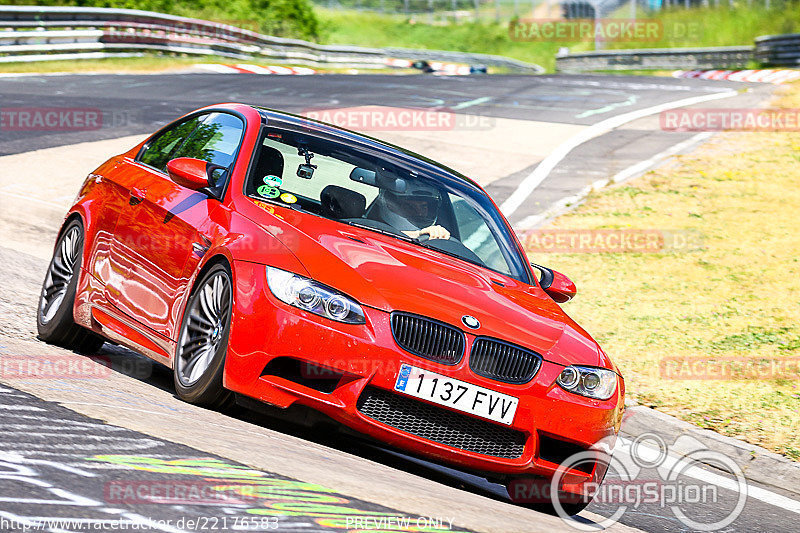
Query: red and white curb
[774, 76]
[255, 69]
[441, 69]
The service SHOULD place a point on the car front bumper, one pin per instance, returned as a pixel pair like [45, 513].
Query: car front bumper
[363, 361]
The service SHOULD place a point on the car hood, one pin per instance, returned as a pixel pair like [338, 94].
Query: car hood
[389, 274]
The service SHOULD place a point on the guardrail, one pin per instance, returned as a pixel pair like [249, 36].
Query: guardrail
[769, 50]
[779, 50]
[657, 58]
[38, 33]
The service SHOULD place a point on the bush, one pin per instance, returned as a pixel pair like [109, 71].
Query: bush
[284, 18]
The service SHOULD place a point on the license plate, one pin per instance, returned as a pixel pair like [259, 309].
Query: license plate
[456, 394]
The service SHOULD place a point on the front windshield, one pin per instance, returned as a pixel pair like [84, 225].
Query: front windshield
[339, 182]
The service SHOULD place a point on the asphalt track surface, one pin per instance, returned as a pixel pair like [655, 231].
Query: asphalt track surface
[133, 104]
[73, 466]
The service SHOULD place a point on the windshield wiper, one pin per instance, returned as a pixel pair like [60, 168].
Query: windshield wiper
[425, 244]
[401, 236]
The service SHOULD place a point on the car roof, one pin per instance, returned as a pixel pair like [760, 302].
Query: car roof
[280, 119]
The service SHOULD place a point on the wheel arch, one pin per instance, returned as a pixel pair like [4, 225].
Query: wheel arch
[215, 259]
[218, 257]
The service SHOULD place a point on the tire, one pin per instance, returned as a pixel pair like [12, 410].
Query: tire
[54, 319]
[203, 341]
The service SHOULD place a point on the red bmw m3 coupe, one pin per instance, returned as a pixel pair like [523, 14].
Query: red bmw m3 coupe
[271, 257]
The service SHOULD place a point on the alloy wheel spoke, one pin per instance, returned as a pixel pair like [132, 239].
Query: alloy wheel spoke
[207, 320]
[206, 305]
[61, 269]
[198, 316]
[205, 331]
[192, 364]
[60, 274]
[53, 305]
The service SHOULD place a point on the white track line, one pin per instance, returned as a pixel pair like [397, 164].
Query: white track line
[724, 482]
[631, 171]
[543, 169]
[20, 408]
[54, 205]
[642, 166]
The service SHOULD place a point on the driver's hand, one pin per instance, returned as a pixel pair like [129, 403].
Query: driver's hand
[433, 232]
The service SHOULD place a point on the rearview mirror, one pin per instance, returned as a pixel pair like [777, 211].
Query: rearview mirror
[363, 175]
[382, 180]
[189, 172]
[557, 285]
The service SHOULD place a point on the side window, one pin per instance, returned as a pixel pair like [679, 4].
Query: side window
[162, 149]
[216, 140]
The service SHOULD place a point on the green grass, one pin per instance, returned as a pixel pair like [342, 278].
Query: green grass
[716, 26]
[682, 28]
[372, 29]
[731, 302]
[696, 27]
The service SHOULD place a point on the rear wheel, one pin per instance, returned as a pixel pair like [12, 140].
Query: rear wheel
[203, 342]
[54, 319]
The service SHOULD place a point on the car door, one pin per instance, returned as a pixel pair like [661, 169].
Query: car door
[159, 238]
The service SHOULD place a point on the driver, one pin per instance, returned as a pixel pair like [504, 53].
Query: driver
[414, 211]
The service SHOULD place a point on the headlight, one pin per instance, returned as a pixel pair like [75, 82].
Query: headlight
[314, 297]
[598, 383]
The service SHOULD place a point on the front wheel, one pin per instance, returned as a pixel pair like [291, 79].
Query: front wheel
[54, 319]
[203, 342]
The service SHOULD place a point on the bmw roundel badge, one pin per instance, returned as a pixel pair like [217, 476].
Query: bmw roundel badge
[470, 321]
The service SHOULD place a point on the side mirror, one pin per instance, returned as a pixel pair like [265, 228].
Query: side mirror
[189, 172]
[557, 285]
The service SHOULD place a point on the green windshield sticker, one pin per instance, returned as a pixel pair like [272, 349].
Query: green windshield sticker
[268, 191]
